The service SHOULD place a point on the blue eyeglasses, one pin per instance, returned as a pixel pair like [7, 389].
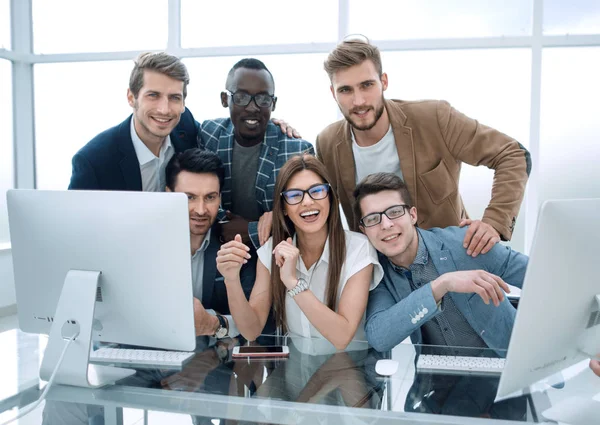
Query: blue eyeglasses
[316, 192]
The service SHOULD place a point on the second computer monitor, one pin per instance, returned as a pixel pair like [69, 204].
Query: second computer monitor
[558, 319]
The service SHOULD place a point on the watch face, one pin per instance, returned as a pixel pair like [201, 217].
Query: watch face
[221, 332]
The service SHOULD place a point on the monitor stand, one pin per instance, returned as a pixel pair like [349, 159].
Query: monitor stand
[75, 314]
[581, 410]
[574, 411]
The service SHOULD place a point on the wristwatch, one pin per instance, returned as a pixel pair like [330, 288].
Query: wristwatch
[223, 328]
[301, 286]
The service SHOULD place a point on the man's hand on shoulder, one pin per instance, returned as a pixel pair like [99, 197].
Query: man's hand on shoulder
[487, 285]
[286, 128]
[265, 224]
[236, 225]
[480, 237]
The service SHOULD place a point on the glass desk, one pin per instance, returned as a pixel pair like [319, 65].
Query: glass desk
[314, 385]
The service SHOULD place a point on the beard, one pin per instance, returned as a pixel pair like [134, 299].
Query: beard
[368, 126]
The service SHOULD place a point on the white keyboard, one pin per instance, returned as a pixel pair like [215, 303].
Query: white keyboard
[144, 358]
[460, 364]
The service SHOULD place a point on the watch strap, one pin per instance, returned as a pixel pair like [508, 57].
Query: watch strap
[301, 286]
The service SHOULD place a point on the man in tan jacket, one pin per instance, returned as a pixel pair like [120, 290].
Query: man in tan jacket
[424, 142]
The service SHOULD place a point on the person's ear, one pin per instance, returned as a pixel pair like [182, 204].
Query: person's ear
[361, 228]
[413, 215]
[224, 99]
[332, 92]
[130, 98]
[384, 81]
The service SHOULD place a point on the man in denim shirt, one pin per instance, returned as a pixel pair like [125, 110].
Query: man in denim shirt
[432, 290]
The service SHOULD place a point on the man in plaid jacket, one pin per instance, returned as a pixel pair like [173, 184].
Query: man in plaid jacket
[252, 149]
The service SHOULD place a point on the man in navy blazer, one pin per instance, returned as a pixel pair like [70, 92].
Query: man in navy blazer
[432, 290]
[133, 154]
[200, 174]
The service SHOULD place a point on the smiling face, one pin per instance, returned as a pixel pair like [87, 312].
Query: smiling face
[397, 239]
[309, 216]
[358, 91]
[250, 121]
[202, 190]
[158, 106]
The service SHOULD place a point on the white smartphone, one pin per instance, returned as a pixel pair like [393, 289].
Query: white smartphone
[261, 351]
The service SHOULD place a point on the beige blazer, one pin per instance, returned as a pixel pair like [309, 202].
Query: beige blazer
[433, 140]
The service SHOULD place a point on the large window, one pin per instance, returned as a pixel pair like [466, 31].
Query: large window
[570, 124]
[244, 23]
[5, 24]
[71, 26]
[492, 86]
[571, 17]
[73, 103]
[301, 86]
[6, 144]
[416, 19]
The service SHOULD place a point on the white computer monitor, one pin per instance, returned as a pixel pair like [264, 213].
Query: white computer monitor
[558, 318]
[114, 265]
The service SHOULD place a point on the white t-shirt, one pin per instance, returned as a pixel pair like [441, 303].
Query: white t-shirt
[359, 254]
[382, 157]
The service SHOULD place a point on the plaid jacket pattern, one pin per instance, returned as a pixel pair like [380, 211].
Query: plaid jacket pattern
[218, 136]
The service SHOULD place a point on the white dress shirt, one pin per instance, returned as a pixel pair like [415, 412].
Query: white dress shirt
[197, 282]
[383, 153]
[152, 168]
[359, 254]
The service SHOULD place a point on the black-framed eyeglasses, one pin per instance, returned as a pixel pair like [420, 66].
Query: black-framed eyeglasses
[262, 100]
[295, 196]
[393, 212]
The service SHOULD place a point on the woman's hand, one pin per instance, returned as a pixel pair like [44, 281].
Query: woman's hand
[286, 257]
[231, 257]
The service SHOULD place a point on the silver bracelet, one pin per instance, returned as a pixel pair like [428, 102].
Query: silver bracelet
[301, 286]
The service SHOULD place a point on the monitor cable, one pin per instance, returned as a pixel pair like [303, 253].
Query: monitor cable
[42, 397]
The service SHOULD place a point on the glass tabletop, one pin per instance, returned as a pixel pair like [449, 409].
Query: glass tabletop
[314, 384]
[316, 373]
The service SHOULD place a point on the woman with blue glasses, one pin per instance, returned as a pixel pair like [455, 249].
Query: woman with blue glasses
[316, 275]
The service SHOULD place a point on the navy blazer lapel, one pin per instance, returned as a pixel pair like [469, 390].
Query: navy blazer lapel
[185, 135]
[210, 269]
[130, 166]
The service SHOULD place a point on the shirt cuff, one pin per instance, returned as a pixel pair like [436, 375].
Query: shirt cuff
[233, 330]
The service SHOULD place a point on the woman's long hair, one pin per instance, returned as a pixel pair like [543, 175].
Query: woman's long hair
[283, 228]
